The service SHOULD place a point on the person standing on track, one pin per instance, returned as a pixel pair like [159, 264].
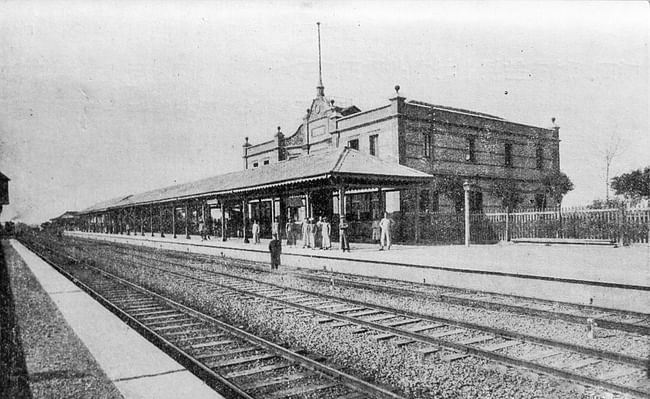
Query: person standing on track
[275, 248]
[384, 225]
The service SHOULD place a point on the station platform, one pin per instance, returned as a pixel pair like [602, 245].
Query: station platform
[133, 365]
[607, 277]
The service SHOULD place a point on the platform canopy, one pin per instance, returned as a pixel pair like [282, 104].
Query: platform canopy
[347, 167]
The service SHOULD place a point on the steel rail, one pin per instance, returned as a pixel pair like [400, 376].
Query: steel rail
[638, 362]
[170, 348]
[308, 363]
[631, 360]
[450, 298]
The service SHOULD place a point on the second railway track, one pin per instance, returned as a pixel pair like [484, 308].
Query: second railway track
[620, 373]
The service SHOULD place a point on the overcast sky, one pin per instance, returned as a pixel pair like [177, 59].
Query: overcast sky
[105, 98]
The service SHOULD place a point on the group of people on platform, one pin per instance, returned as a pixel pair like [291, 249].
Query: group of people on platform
[314, 234]
[317, 234]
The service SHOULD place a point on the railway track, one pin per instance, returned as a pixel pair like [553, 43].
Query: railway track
[450, 340]
[230, 359]
[626, 321]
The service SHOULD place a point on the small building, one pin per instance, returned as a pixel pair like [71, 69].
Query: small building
[4, 191]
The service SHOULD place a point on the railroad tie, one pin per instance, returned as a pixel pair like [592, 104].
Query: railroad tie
[424, 352]
[612, 375]
[383, 337]
[425, 328]
[340, 324]
[542, 354]
[241, 360]
[501, 345]
[212, 343]
[402, 322]
[296, 391]
[581, 363]
[265, 383]
[446, 333]
[256, 370]
[454, 356]
[480, 338]
[404, 342]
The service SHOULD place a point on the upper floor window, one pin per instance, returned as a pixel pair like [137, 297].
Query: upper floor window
[428, 146]
[266, 162]
[256, 164]
[471, 149]
[539, 157]
[354, 144]
[373, 143]
[507, 149]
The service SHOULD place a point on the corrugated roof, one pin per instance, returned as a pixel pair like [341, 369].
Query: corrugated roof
[346, 162]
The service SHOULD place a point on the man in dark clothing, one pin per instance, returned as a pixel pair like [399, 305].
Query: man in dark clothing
[343, 234]
[275, 247]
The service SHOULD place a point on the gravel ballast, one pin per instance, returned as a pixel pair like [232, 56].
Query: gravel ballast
[359, 354]
[58, 363]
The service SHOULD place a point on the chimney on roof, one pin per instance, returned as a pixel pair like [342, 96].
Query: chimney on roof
[279, 142]
[245, 147]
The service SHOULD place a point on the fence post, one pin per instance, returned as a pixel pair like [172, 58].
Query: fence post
[507, 223]
[621, 226]
[467, 187]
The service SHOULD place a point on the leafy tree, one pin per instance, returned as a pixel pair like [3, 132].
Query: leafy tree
[634, 185]
[508, 192]
[556, 184]
[452, 188]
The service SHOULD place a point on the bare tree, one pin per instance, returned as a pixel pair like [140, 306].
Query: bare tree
[610, 149]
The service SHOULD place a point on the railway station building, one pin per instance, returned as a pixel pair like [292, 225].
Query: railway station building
[398, 158]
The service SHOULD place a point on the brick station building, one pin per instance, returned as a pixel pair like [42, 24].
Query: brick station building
[441, 141]
[344, 161]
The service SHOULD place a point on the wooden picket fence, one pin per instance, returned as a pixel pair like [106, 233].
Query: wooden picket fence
[614, 224]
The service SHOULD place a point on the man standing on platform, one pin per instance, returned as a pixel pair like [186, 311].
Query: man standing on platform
[384, 225]
[326, 230]
[305, 235]
[275, 248]
[291, 237]
[343, 232]
[275, 227]
[256, 232]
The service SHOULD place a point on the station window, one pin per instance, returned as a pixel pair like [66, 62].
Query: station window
[475, 201]
[266, 162]
[539, 157]
[471, 150]
[354, 144]
[507, 149]
[428, 146]
[255, 164]
[428, 201]
[373, 142]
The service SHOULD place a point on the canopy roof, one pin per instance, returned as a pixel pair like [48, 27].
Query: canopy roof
[320, 169]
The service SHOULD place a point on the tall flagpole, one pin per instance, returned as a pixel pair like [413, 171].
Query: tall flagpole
[320, 88]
